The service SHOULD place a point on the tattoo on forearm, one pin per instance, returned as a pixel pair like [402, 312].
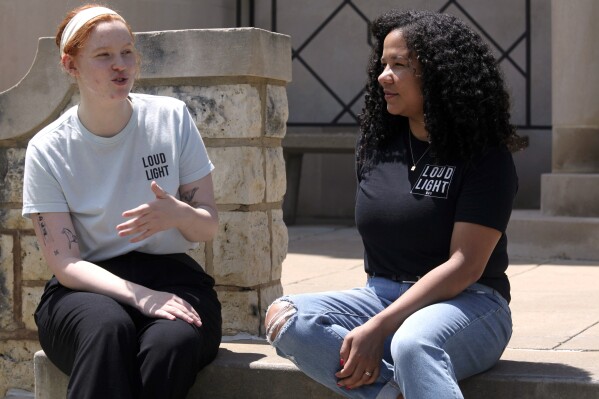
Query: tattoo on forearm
[187, 197]
[71, 237]
[44, 229]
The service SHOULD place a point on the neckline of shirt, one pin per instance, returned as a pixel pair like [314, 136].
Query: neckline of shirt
[117, 138]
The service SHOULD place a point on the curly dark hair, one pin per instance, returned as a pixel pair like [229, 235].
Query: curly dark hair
[466, 105]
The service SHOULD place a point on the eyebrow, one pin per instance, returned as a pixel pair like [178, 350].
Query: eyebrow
[104, 48]
[395, 57]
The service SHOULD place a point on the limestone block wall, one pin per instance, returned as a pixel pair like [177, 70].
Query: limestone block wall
[572, 187]
[234, 83]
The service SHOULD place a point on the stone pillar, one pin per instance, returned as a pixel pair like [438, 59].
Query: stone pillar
[234, 83]
[567, 225]
[572, 189]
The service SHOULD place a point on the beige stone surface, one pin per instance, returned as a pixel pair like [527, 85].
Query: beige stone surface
[30, 299]
[238, 175]
[534, 235]
[242, 249]
[279, 244]
[276, 181]
[575, 88]
[223, 111]
[240, 311]
[6, 282]
[546, 329]
[16, 364]
[570, 194]
[322, 258]
[546, 304]
[49, 83]
[587, 340]
[74, 99]
[33, 263]
[574, 149]
[12, 162]
[517, 267]
[277, 111]
[50, 382]
[199, 254]
[12, 219]
[216, 52]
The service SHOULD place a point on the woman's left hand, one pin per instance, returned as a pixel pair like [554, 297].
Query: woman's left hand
[361, 354]
[151, 218]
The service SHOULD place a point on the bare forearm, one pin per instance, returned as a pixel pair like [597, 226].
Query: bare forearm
[198, 224]
[60, 247]
[442, 283]
[200, 217]
[81, 275]
[470, 249]
[85, 276]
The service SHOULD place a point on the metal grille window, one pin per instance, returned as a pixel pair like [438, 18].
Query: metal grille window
[331, 44]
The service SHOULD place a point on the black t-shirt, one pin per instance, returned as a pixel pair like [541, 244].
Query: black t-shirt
[406, 217]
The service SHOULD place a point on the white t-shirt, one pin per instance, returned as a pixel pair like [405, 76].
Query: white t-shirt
[96, 179]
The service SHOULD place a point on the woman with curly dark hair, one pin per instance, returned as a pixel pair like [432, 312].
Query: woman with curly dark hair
[436, 187]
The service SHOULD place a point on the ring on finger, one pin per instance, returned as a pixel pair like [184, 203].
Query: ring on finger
[368, 373]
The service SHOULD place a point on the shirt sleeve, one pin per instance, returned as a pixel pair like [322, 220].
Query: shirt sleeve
[194, 162]
[488, 191]
[41, 190]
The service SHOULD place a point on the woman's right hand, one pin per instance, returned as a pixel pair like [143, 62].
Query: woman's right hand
[361, 354]
[165, 305]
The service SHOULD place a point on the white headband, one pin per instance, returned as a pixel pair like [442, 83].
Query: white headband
[80, 19]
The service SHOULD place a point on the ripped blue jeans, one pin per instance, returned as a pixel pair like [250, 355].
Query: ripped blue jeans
[425, 358]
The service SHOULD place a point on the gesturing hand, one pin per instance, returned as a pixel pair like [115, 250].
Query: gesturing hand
[361, 354]
[151, 218]
[167, 306]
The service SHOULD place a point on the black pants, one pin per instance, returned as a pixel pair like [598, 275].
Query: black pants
[111, 350]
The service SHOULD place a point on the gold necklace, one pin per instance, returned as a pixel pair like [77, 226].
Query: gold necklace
[413, 168]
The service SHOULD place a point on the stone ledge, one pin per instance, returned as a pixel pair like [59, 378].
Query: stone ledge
[215, 52]
[570, 194]
[252, 370]
[532, 235]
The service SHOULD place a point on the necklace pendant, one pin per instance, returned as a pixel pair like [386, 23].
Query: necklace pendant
[413, 168]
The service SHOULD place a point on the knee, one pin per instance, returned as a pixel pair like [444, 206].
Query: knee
[414, 352]
[182, 338]
[276, 316]
[406, 348]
